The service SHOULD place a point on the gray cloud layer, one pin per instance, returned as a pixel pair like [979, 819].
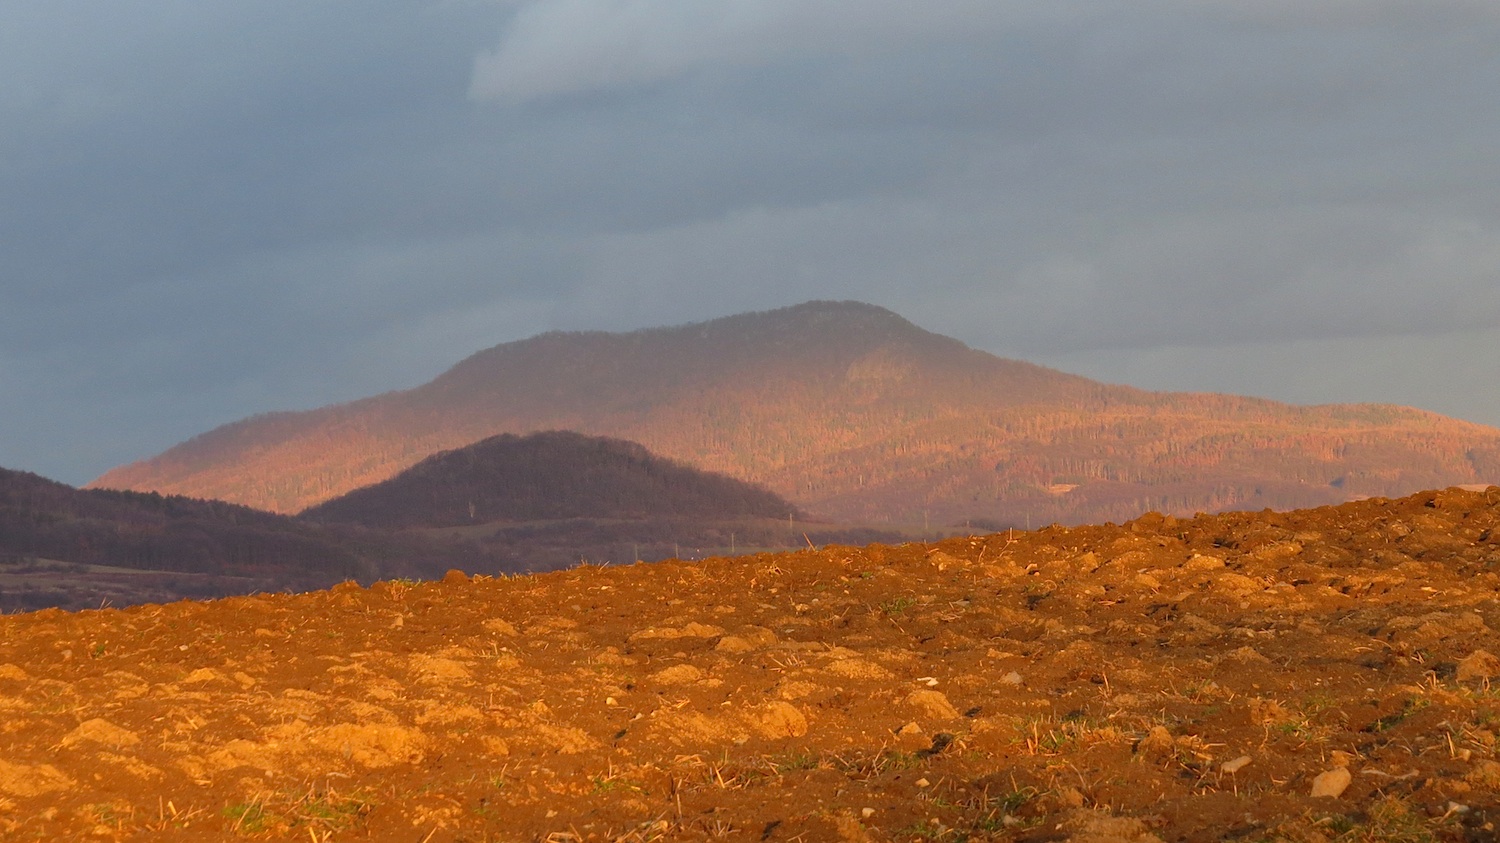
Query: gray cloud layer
[212, 210]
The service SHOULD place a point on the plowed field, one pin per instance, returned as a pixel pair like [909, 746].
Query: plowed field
[1314, 675]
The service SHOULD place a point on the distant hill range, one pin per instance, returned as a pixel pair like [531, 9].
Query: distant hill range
[547, 476]
[506, 504]
[855, 415]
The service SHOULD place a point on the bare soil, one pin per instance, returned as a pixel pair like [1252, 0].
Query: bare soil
[1167, 679]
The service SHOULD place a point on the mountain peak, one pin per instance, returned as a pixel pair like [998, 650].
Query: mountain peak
[806, 325]
[814, 320]
[822, 312]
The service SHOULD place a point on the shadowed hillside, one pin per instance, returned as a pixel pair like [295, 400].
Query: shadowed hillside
[508, 504]
[855, 415]
[547, 476]
[552, 499]
[61, 546]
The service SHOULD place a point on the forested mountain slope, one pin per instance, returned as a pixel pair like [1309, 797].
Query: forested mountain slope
[853, 414]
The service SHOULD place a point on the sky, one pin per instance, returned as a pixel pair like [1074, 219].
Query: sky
[210, 210]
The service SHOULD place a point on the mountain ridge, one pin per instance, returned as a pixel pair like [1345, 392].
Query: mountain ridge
[854, 414]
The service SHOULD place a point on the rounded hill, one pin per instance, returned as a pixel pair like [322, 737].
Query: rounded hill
[547, 476]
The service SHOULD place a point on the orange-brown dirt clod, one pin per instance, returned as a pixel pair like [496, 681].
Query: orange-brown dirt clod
[1162, 680]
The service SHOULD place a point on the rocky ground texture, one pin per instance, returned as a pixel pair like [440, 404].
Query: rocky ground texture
[1307, 676]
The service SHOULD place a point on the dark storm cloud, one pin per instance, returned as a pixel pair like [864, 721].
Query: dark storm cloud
[211, 210]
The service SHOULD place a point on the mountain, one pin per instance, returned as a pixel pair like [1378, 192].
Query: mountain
[853, 414]
[547, 476]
